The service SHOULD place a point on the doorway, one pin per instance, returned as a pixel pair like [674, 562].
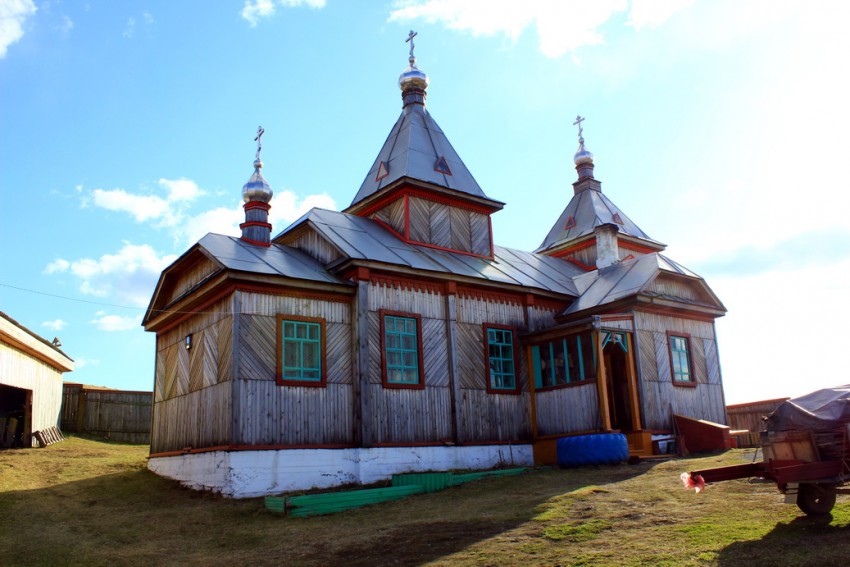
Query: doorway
[617, 383]
[15, 417]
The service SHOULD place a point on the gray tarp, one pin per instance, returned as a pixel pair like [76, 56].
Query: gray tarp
[821, 410]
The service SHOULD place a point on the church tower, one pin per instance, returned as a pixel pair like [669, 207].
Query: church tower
[593, 232]
[418, 187]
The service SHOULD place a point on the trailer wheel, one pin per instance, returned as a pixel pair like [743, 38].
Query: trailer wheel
[816, 499]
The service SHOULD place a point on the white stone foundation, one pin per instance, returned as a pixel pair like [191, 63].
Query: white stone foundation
[247, 474]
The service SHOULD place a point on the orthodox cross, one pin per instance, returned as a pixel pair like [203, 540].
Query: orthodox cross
[410, 37]
[579, 120]
[258, 139]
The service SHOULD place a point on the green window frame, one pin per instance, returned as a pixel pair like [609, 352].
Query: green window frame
[566, 361]
[401, 335]
[681, 366]
[300, 351]
[500, 348]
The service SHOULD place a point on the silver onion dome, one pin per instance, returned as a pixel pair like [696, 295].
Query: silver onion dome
[413, 78]
[257, 189]
[583, 155]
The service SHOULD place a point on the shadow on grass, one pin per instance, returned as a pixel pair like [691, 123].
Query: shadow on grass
[135, 517]
[806, 540]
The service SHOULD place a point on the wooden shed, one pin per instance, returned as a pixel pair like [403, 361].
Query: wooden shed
[395, 336]
[31, 371]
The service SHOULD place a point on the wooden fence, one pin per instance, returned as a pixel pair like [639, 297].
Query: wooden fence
[117, 415]
[749, 416]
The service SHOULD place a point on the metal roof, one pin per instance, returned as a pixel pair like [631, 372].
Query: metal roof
[364, 239]
[415, 145]
[590, 208]
[236, 254]
[625, 279]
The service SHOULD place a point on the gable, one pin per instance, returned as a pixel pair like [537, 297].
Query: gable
[688, 290]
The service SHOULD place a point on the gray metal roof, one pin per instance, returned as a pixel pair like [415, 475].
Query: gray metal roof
[415, 145]
[364, 239]
[236, 254]
[625, 279]
[590, 208]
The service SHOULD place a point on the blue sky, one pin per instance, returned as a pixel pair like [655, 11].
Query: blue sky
[720, 127]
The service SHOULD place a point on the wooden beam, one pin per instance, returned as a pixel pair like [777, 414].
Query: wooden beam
[632, 382]
[454, 373]
[533, 392]
[360, 338]
[601, 384]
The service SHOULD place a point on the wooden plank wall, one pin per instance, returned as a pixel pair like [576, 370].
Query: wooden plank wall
[449, 226]
[181, 374]
[485, 416]
[393, 215]
[197, 419]
[21, 370]
[675, 287]
[659, 397]
[402, 415]
[749, 416]
[268, 414]
[567, 410]
[114, 414]
[316, 246]
[189, 278]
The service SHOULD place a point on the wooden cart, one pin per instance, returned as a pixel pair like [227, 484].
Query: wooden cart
[809, 467]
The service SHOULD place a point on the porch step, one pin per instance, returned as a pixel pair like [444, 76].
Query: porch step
[640, 444]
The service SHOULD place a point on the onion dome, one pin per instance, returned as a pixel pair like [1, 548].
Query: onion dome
[413, 82]
[257, 189]
[583, 157]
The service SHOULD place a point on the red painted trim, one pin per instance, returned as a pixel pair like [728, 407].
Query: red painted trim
[515, 391]
[451, 288]
[623, 317]
[256, 223]
[680, 313]
[395, 233]
[580, 264]
[281, 381]
[255, 242]
[419, 385]
[576, 248]
[636, 247]
[693, 382]
[252, 205]
[408, 191]
[413, 444]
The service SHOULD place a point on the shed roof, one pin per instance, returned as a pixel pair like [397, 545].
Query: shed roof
[20, 337]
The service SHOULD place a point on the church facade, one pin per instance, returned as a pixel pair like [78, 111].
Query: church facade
[395, 336]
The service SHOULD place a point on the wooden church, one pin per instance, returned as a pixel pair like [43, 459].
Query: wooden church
[394, 336]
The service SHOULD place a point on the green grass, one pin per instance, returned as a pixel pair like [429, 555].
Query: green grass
[84, 502]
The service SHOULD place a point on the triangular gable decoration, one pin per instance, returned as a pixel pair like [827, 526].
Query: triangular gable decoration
[383, 171]
[442, 166]
[617, 218]
[571, 223]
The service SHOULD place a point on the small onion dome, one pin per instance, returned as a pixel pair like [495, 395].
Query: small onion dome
[413, 78]
[257, 188]
[583, 155]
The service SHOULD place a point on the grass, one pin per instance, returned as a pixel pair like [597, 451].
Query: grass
[84, 502]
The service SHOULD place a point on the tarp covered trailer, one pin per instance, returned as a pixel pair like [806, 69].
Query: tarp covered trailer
[806, 451]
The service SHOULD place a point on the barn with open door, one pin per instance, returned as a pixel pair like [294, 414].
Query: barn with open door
[31, 371]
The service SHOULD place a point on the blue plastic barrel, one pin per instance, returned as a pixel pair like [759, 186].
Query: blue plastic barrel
[596, 449]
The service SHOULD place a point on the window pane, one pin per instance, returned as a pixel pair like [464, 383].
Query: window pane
[310, 354]
[290, 354]
[301, 356]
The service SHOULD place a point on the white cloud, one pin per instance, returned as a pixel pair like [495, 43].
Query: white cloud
[13, 14]
[168, 210]
[129, 276]
[652, 13]
[55, 325]
[254, 10]
[113, 323]
[131, 28]
[286, 207]
[148, 18]
[66, 26]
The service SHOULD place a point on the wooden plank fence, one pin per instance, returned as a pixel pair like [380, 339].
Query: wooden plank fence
[117, 415]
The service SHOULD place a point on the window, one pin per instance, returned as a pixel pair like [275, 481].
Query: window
[564, 361]
[680, 360]
[300, 351]
[501, 368]
[402, 359]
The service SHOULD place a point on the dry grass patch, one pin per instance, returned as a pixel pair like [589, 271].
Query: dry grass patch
[84, 502]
